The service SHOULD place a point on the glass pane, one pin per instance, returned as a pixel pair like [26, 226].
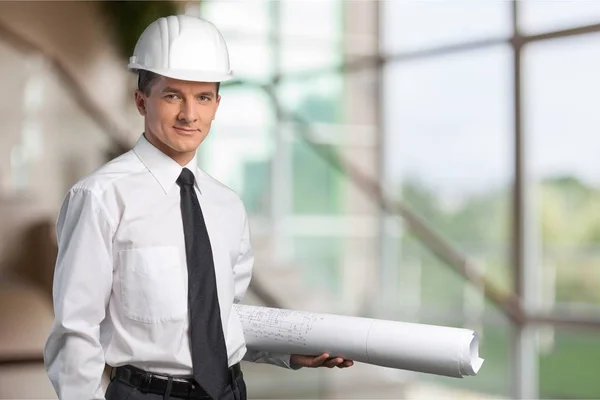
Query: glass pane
[320, 20]
[562, 94]
[250, 59]
[239, 149]
[299, 55]
[536, 16]
[316, 99]
[241, 163]
[448, 143]
[320, 259]
[252, 18]
[316, 185]
[569, 364]
[448, 134]
[429, 289]
[310, 35]
[333, 235]
[336, 263]
[317, 188]
[415, 25]
[245, 106]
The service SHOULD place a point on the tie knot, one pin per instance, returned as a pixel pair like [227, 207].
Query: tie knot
[186, 178]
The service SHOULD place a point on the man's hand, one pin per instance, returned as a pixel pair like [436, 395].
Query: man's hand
[320, 361]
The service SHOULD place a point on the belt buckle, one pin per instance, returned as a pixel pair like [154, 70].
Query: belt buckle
[145, 383]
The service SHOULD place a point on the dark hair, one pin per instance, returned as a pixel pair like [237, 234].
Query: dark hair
[146, 80]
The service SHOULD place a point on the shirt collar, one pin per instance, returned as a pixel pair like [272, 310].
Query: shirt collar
[162, 167]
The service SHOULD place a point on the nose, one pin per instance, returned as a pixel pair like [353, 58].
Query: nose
[188, 113]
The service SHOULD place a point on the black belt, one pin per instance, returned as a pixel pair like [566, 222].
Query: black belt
[148, 382]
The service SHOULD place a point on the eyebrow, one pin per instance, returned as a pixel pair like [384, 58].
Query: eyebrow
[169, 89]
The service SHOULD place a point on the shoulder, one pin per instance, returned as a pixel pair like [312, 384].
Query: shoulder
[105, 178]
[94, 194]
[219, 191]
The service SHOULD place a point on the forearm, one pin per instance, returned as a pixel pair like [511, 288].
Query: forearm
[265, 357]
[75, 361]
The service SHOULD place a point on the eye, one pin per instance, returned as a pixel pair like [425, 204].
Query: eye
[204, 98]
[171, 97]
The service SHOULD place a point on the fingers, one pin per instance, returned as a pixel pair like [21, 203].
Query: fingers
[321, 361]
[346, 364]
[333, 362]
[315, 362]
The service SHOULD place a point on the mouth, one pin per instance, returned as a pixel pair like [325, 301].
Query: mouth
[185, 131]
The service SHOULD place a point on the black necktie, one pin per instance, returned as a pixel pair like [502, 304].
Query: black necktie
[209, 352]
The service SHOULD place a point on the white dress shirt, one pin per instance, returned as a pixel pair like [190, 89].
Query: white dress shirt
[120, 285]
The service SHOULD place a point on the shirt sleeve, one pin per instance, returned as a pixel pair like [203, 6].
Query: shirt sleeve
[73, 356]
[243, 275]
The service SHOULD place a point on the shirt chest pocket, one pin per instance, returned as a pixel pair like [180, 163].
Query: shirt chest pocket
[152, 284]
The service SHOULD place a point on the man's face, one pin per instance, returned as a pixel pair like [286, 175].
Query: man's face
[178, 115]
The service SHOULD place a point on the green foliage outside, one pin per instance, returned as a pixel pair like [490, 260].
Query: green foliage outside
[569, 226]
[569, 221]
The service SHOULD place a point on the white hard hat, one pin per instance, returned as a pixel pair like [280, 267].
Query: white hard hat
[182, 47]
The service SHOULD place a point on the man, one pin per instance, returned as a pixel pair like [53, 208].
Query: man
[153, 252]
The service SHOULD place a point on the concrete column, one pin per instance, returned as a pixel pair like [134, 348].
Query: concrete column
[361, 106]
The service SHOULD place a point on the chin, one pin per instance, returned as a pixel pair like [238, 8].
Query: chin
[185, 146]
[180, 148]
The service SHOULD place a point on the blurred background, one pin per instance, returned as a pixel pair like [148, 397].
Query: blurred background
[425, 161]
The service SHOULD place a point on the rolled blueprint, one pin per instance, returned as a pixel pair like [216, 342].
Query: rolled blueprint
[431, 349]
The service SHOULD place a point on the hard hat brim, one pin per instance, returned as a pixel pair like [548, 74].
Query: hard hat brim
[185, 75]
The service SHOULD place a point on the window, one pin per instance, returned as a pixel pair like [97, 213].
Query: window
[568, 364]
[447, 130]
[238, 18]
[310, 35]
[537, 16]
[448, 145]
[315, 183]
[562, 95]
[239, 149]
[249, 48]
[417, 25]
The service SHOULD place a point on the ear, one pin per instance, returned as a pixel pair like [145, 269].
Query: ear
[140, 102]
